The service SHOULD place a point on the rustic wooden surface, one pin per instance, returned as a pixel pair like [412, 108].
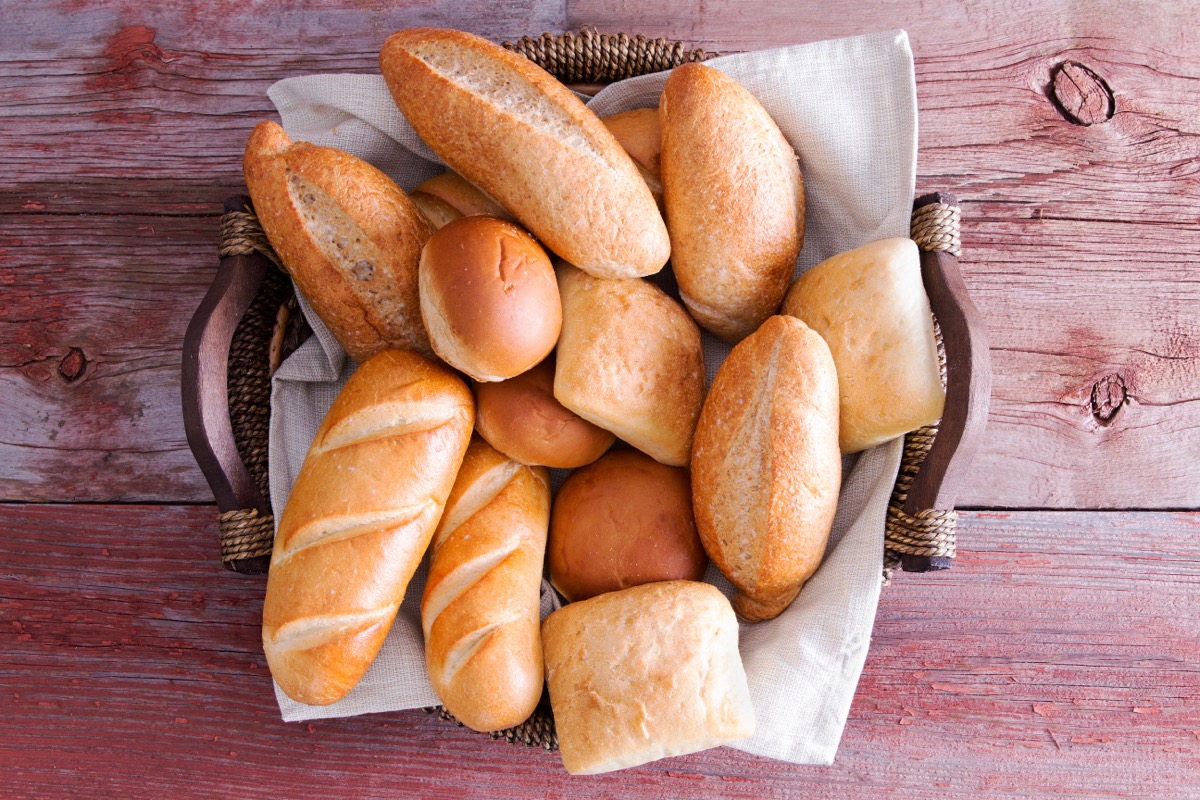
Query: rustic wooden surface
[1059, 655]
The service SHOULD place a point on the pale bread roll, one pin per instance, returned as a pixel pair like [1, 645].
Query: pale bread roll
[640, 134]
[630, 360]
[870, 306]
[734, 199]
[349, 237]
[643, 674]
[766, 469]
[510, 128]
[446, 197]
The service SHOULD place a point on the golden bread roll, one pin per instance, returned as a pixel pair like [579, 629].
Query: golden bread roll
[521, 418]
[349, 237]
[623, 521]
[766, 469]
[449, 196]
[481, 609]
[630, 360]
[734, 199]
[358, 520]
[640, 134]
[513, 130]
[489, 298]
[645, 673]
[870, 306]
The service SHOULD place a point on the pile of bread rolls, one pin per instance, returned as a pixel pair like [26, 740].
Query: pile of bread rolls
[509, 298]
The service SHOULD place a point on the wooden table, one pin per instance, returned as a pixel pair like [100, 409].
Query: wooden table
[1061, 653]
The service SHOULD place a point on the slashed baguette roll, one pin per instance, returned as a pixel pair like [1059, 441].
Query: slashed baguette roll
[348, 236]
[630, 360]
[358, 521]
[734, 199]
[480, 613]
[510, 128]
[766, 469]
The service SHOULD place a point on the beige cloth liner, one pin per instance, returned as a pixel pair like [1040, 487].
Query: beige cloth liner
[848, 107]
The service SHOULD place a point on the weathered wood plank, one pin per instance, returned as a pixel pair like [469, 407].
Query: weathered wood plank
[1057, 657]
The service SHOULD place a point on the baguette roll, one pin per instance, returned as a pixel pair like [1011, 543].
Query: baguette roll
[510, 128]
[734, 200]
[766, 468]
[640, 134]
[350, 238]
[481, 609]
[358, 521]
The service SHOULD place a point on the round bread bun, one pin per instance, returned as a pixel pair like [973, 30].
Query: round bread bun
[520, 418]
[623, 521]
[489, 298]
[453, 190]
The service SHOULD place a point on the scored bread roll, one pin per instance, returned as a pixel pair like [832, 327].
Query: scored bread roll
[521, 418]
[489, 298]
[358, 520]
[348, 236]
[766, 469]
[446, 197]
[623, 521]
[640, 134]
[481, 609]
[870, 306]
[645, 673]
[513, 130]
[630, 360]
[734, 200]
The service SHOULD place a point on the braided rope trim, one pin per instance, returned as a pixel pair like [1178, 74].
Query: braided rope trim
[537, 731]
[935, 228]
[241, 235]
[591, 57]
[245, 534]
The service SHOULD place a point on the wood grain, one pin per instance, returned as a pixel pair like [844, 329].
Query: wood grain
[1065, 663]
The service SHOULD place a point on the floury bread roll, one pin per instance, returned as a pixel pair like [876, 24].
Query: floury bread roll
[510, 128]
[640, 134]
[481, 610]
[446, 197]
[734, 199]
[643, 674]
[348, 236]
[358, 521]
[766, 469]
[630, 360]
[870, 305]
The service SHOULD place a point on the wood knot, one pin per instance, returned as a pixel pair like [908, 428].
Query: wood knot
[1109, 394]
[73, 365]
[1080, 95]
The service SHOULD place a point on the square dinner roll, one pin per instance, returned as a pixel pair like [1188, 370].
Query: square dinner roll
[645, 673]
[870, 306]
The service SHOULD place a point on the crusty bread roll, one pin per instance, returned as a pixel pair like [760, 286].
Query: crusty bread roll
[766, 469]
[734, 199]
[347, 235]
[640, 134]
[521, 418]
[869, 305]
[623, 521]
[645, 673]
[510, 128]
[488, 298]
[481, 609]
[630, 360]
[358, 520]
[446, 197]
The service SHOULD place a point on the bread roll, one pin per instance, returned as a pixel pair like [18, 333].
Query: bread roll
[630, 360]
[481, 609]
[521, 418]
[640, 134]
[869, 305]
[734, 199]
[623, 521]
[510, 128]
[436, 210]
[455, 192]
[489, 298]
[348, 236]
[643, 674]
[358, 520]
[766, 469]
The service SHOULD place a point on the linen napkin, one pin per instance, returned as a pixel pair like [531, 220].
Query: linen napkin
[848, 107]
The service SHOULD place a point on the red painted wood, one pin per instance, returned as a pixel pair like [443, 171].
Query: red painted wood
[1064, 663]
